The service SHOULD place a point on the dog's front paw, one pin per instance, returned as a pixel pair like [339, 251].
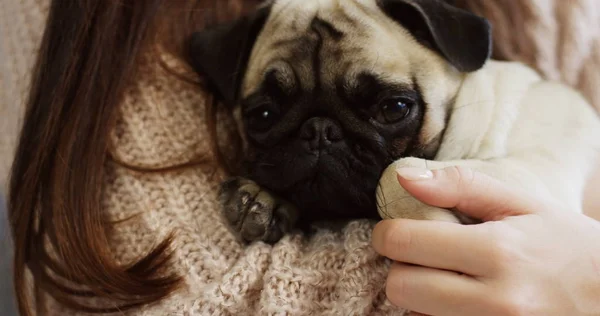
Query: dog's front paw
[254, 213]
[395, 202]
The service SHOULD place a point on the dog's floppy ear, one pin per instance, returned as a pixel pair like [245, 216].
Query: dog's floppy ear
[461, 37]
[221, 54]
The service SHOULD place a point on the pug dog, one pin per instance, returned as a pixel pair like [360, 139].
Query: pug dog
[333, 95]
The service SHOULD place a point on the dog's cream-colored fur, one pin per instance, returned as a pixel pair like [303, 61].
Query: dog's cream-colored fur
[507, 122]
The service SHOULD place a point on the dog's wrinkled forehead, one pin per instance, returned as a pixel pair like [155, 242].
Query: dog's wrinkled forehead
[319, 42]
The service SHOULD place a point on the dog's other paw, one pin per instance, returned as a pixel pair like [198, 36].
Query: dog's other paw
[254, 213]
[395, 202]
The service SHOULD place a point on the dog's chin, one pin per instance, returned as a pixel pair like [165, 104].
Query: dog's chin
[322, 198]
[326, 187]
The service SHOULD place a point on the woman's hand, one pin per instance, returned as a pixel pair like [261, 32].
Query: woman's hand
[528, 258]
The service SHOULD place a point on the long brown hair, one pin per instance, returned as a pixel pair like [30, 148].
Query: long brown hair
[89, 54]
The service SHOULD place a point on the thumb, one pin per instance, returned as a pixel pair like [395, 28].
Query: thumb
[470, 192]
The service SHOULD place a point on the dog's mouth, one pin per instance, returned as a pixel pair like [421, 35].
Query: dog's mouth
[335, 182]
[334, 187]
[321, 167]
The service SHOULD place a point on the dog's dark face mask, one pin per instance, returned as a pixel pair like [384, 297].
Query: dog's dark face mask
[324, 148]
[320, 125]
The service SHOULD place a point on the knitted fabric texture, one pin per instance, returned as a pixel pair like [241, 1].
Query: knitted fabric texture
[162, 123]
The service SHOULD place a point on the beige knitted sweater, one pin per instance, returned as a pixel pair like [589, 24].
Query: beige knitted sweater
[161, 124]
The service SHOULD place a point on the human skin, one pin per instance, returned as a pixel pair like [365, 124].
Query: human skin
[592, 196]
[529, 257]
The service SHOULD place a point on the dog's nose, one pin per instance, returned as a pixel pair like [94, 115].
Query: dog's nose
[320, 132]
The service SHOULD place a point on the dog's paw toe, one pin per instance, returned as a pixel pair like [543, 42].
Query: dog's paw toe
[256, 214]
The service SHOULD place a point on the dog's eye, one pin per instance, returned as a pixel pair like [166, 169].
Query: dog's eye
[395, 109]
[262, 118]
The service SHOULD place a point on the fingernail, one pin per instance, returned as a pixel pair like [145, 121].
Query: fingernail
[414, 174]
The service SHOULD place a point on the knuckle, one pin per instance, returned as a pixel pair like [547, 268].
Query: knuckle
[465, 177]
[503, 249]
[501, 254]
[395, 288]
[516, 303]
[398, 240]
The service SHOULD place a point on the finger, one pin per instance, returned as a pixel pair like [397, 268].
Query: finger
[434, 292]
[439, 245]
[470, 192]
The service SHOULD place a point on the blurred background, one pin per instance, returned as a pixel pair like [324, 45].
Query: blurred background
[7, 306]
[6, 299]
[21, 26]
